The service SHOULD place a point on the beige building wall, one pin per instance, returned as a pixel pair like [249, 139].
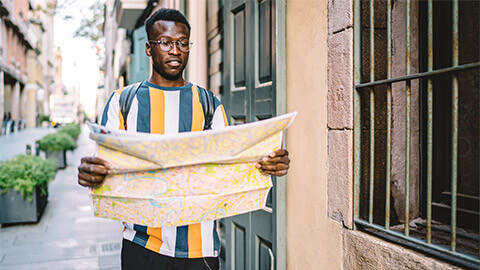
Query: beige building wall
[313, 240]
[2, 100]
[16, 101]
[197, 63]
[7, 98]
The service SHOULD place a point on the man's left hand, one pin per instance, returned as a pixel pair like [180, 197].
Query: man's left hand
[276, 163]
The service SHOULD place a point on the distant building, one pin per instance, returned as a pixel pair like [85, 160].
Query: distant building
[64, 102]
[26, 60]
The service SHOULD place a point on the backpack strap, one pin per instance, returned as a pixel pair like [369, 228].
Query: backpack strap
[208, 106]
[126, 99]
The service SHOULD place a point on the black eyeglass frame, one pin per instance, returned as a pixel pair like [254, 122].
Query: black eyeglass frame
[171, 42]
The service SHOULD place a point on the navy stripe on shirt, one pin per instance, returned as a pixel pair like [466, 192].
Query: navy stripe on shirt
[181, 244]
[216, 241]
[140, 228]
[185, 111]
[140, 238]
[105, 111]
[143, 116]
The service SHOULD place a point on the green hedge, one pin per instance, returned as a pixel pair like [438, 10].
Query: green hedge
[44, 118]
[25, 172]
[72, 129]
[58, 141]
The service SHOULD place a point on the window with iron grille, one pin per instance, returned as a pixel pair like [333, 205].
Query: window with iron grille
[416, 125]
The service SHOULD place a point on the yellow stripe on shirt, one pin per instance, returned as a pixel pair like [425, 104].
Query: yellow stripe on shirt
[195, 240]
[224, 115]
[120, 116]
[197, 111]
[154, 242]
[157, 108]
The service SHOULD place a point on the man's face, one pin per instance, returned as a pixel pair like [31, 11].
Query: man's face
[170, 64]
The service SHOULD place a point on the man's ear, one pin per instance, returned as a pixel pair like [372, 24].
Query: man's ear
[148, 49]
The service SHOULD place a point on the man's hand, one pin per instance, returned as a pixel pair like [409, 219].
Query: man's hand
[92, 171]
[276, 163]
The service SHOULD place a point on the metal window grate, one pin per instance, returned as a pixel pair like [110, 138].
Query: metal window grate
[365, 147]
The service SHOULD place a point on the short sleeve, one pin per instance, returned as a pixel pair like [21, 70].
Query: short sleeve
[220, 119]
[111, 112]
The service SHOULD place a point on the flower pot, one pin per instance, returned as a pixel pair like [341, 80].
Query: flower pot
[16, 209]
[60, 156]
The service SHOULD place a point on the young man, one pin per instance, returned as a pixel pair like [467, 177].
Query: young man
[166, 103]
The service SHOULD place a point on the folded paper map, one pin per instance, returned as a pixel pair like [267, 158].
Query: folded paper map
[185, 178]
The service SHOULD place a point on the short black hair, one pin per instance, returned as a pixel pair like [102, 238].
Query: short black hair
[165, 14]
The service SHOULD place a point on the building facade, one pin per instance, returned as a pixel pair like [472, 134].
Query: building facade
[64, 102]
[27, 62]
[384, 149]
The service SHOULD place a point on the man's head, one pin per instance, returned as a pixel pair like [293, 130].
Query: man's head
[168, 33]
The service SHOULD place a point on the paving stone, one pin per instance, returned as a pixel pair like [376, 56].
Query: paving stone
[108, 261]
[84, 263]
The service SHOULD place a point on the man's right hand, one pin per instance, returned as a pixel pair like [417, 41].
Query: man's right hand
[92, 171]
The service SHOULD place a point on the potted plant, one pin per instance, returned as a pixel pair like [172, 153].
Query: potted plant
[72, 129]
[44, 120]
[24, 188]
[55, 146]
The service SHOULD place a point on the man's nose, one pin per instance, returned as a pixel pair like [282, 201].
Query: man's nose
[174, 50]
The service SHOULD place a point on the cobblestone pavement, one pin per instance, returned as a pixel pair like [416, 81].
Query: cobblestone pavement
[67, 236]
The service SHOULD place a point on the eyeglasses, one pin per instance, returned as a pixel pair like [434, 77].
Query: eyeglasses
[167, 44]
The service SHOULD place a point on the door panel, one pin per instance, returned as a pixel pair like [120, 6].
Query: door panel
[264, 254]
[249, 95]
[139, 61]
[238, 108]
[239, 48]
[239, 246]
[238, 90]
[265, 41]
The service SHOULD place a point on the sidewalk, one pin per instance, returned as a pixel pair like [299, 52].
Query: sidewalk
[15, 143]
[67, 236]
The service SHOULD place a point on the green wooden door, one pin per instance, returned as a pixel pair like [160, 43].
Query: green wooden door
[139, 61]
[249, 95]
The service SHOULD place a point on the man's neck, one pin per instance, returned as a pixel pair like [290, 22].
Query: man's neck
[161, 81]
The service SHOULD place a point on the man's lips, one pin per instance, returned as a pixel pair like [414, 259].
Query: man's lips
[174, 62]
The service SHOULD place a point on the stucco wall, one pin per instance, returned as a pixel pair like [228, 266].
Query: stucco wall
[313, 240]
[197, 62]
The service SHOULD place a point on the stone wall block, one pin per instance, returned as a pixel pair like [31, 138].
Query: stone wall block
[340, 176]
[363, 251]
[340, 80]
[340, 15]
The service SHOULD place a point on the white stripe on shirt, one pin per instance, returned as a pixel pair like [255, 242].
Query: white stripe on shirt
[112, 114]
[218, 120]
[169, 239]
[132, 116]
[129, 233]
[172, 104]
[207, 238]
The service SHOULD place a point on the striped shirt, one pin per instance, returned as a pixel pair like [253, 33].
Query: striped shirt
[167, 110]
